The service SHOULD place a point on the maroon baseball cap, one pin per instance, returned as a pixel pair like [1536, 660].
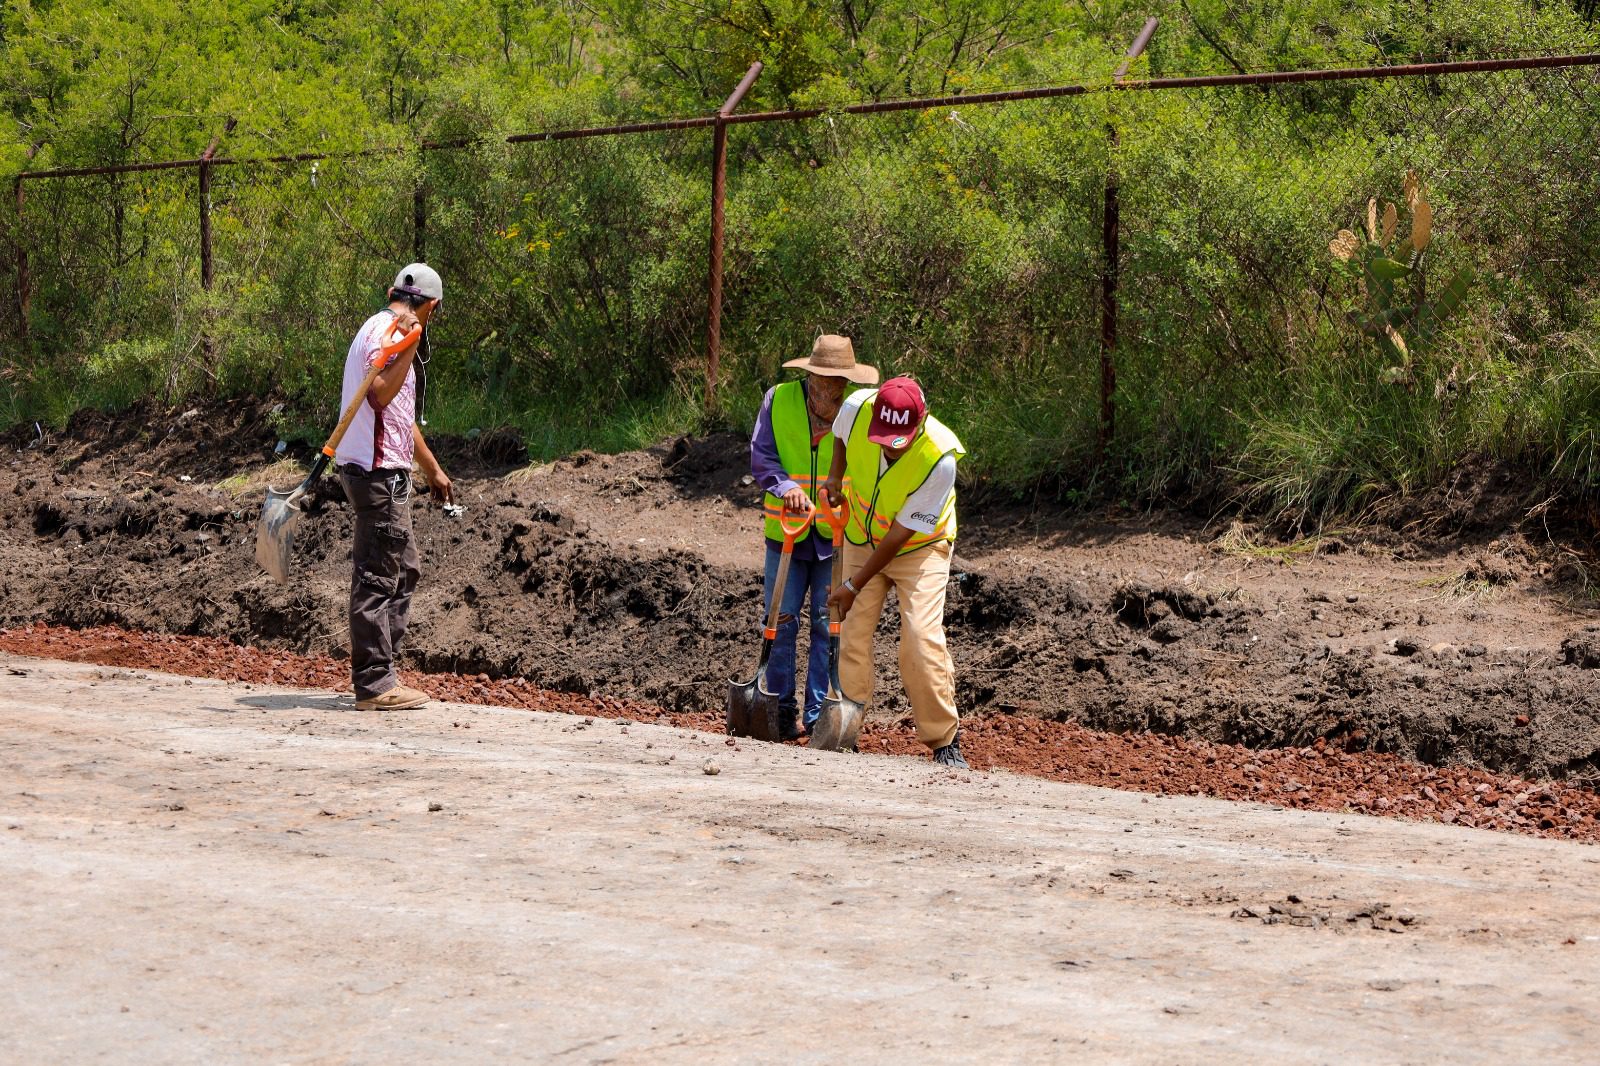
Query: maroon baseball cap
[897, 413]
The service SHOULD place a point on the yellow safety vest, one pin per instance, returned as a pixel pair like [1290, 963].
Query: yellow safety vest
[876, 501]
[805, 463]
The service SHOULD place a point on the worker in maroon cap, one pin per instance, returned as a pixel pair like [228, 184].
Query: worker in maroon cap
[901, 467]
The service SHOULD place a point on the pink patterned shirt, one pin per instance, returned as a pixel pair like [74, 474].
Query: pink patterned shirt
[379, 437]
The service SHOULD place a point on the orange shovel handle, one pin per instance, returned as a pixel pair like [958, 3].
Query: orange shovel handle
[396, 343]
[838, 514]
[791, 531]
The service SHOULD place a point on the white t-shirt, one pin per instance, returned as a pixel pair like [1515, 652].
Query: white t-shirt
[379, 437]
[924, 506]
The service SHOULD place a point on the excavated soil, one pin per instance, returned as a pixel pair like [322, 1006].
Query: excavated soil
[636, 577]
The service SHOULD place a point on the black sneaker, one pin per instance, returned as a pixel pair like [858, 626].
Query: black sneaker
[789, 727]
[950, 754]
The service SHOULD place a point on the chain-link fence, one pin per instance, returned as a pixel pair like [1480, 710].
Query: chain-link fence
[579, 257]
[579, 260]
[958, 244]
[1398, 246]
[1156, 260]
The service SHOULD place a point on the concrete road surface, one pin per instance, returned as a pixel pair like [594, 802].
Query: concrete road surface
[206, 872]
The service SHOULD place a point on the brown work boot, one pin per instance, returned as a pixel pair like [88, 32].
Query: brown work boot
[398, 698]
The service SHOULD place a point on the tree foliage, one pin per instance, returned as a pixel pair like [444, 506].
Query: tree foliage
[962, 245]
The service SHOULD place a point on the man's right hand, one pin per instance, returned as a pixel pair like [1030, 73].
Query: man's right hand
[406, 321]
[797, 501]
[835, 491]
[840, 600]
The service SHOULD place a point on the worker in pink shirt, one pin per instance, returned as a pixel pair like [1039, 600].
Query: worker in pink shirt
[374, 464]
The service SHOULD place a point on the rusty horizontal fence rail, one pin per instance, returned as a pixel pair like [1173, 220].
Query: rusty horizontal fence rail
[220, 161]
[924, 103]
[1409, 70]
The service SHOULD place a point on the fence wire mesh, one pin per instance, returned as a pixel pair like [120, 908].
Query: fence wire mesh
[1213, 226]
[108, 258]
[963, 244]
[1231, 277]
[573, 261]
[565, 258]
[959, 245]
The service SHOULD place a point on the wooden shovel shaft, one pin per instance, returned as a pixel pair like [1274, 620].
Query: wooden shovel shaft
[838, 579]
[839, 513]
[777, 590]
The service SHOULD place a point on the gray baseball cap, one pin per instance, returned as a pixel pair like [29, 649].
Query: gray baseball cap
[419, 279]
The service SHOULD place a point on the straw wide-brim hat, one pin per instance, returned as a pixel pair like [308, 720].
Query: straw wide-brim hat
[835, 357]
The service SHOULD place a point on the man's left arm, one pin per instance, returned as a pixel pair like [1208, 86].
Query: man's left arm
[432, 472]
[841, 599]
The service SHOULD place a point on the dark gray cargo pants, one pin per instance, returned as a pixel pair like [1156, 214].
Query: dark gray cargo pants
[385, 557]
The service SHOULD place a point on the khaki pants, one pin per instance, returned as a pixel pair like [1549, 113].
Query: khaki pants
[919, 580]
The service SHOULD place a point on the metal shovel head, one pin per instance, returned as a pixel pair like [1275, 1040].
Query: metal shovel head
[280, 513]
[741, 698]
[752, 711]
[764, 717]
[838, 724]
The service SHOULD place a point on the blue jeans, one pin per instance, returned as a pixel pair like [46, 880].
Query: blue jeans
[811, 576]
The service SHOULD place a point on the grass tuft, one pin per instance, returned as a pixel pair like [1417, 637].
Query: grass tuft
[285, 473]
[1240, 542]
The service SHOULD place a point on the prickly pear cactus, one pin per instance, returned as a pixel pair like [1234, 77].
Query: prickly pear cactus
[1399, 314]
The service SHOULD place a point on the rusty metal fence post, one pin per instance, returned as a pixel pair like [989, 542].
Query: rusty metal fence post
[22, 259]
[207, 267]
[1110, 276]
[419, 221]
[419, 205]
[719, 178]
[207, 262]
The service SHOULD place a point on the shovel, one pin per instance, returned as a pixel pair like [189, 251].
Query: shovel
[752, 711]
[838, 724]
[282, 510]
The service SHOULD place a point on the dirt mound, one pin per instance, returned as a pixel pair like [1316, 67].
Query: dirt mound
[210, 442]
[707, 465]
[552, 577]
[1480, 496]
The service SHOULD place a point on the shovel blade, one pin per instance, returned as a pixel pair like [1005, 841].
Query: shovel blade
[838, 725]
[741, 698]
[275, 532]
[751, 711]
[764, 716]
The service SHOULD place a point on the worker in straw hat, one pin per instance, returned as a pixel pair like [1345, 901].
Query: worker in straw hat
[896, 464]
[791, 452]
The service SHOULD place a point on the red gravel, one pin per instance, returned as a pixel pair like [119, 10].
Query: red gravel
[1304, 778]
